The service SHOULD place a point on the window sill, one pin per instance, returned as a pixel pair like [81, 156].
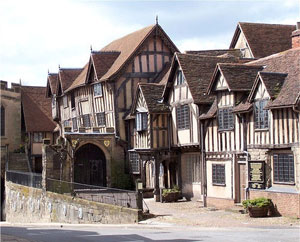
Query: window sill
[225, 130]
[261, 130]
[98, 96]
[285, 183]
[219, 185]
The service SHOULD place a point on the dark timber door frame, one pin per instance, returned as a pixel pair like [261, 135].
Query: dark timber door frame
[90, 165]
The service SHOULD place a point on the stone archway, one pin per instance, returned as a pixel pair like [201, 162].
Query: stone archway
[90, 165]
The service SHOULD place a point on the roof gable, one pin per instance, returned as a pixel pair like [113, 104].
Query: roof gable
[66, 77]
[239, 77]
[51, 88]
[264, 39]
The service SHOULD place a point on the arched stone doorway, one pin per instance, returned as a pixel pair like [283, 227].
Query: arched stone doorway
[90, 165]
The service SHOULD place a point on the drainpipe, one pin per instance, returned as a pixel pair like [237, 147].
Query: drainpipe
[247, 185]
[203, 164]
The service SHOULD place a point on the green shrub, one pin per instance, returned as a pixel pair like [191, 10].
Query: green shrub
[165, 192]
[257, 202]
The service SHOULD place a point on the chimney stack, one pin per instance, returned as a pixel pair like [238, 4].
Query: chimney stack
[296, 36]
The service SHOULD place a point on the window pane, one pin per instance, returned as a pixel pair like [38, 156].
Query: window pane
[134, 162]
[74, 123]
[86, 120]
[261, 116]
[283, 168]
[225, 118]
[98, 89]
[218, 174]
[101, 119]
[183, 116]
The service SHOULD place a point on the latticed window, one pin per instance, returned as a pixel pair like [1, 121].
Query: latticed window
[218, 174]
[74, 124]
[134, 162]
[2, 121]
[193, 168]
[65, 101]
[261, 115]
[225, 118]
[86, 120]
[183, 116]
[283, 168]
[101, 119]
[66, 123]
[141, 121]
[180, 78]
[98, 90]
[38, 137]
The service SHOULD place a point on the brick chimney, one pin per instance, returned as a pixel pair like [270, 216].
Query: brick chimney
[296, 36]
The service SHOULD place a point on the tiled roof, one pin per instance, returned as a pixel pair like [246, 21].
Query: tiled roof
[285, 62]
[265, 39]
[36, 109]
[52, 80]
[67, 76]
[198, 70]
[243, 106]
[152, 93]
[126, 48]
[273, 82]
[211, 113]
[239, 77]
[103, 60]
[220, 52]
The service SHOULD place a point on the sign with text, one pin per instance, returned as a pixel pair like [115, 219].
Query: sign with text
[256, 174]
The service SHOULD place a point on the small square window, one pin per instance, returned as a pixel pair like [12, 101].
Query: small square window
[98, 90]
[283, 168]
[101, 119]
[218, 174]
[38, 137]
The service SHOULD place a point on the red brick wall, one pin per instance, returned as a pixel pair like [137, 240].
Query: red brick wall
[287, 204]
[220, 203]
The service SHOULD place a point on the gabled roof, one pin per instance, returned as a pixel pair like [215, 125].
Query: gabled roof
[51, 84]
[102, 61]
[273, 82]
[129, 44]
[36, 109]
[287, 62]
[264, 39]
[119, 53]
[239, 77]
[211, 113]
[152, 93]
[197, 70]
[67, 76]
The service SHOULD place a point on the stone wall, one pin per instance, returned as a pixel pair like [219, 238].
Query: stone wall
[27, 204]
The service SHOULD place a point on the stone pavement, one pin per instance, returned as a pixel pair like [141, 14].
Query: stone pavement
[192, 213]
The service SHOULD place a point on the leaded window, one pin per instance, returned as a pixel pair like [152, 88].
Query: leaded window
[101, 119]
[183, 116]
[65, 101]
[283, 168]
[225, 118]
[180, 78]
[86, 120]
[74, 124]
[218, 174]
[261, 115]
[38, 137]
[134, 162]
[98, 90]
[193, 171]
[141, 121]
[2, 121]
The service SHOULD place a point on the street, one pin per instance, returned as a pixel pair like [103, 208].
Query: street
[138, 233]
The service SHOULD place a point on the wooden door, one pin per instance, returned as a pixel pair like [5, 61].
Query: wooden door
[241, 183]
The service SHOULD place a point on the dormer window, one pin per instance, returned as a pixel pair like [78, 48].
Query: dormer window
[261, 115]
[180, 78]
[98, 90]
[141, 121]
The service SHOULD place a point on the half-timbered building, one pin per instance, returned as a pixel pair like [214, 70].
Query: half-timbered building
[92, 108]
[252, 132]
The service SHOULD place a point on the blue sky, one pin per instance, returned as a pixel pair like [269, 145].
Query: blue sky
[40, 35]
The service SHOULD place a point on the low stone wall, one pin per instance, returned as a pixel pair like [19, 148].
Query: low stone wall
[27, 204]
[287, 204]
[221, 203]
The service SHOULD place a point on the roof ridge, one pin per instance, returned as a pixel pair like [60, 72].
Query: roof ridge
[266, 24]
